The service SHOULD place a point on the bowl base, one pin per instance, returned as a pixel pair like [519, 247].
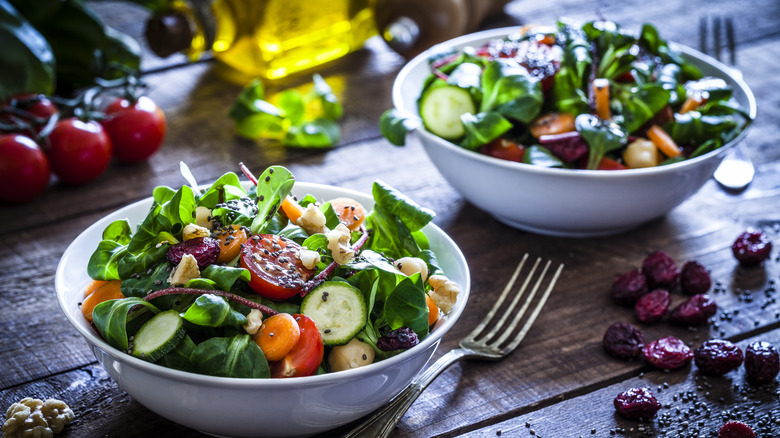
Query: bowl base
[563, 233]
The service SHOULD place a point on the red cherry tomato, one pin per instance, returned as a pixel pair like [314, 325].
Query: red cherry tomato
[36, 105]
[306, 356]
[275, 266]
[136, 129]
[80, 151]
[504, 149]
[24, 169]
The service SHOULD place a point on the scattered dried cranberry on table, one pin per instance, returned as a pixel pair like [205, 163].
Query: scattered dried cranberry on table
[735, 429]
[623, 341]
[695, 278]
[660, 270]
[629, 287]
[668, 353]
[751, 247]
[762, 362]
[637, 403]
[695, 311]
[717, 356]
[652, 306]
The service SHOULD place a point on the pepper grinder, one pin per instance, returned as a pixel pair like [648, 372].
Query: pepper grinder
[411, 26]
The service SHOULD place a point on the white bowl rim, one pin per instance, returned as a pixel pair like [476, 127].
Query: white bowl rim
[485, 35]
[250, 383]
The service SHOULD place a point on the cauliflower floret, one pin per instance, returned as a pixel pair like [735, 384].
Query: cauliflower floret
[186, 270]
[445, 292]
[338, 244]
[312, 220]
[36, 418]
[354, 354]
[253, 321]
[412, 265]
[309, 258]
[192, 231]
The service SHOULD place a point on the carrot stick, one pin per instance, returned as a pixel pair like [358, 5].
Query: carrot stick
[109, 290]
[292, 209]
[663, 141]
[433, 310]
[601, 96]
[690, 104]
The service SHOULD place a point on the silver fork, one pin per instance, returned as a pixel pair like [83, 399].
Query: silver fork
[736, 170]
[493, 339]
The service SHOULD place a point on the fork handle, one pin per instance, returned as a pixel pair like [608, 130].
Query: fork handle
[382, 422]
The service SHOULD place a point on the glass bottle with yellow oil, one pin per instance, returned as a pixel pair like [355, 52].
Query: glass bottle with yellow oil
[263, 38]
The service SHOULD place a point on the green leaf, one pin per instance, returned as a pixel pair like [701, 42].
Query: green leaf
[291, 103]
[324, 96]
[227, 188]
[602, 137]
[213, 311]
[394, 125]
[118, 231]
[150, 278]
[179, 357]
[541, 156]
[110, 318]
[225, 276]
[483, 128]
[28, 63]
[395, 203]
[237, 356]
[405, 306]
[509, 90]
[104, 260]
[640, 103]
[249, 101]
[273, 186]
[320, 133]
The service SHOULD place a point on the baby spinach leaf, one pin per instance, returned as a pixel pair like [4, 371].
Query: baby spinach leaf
[290, 101]
[397, 204]
[28, 61]
[323, 95]
[179, 357]
[118, 231]
[226, 188]
[602, 137]
[236, 356]
[225, 276]
[509, 90]
[568, 93]
[695, 128]
[319, 133]
[110, 318]
[405, 306]
[482, 128]
[394, 125]
[162, 194]
[141, 261]
[640, 103]
[153, 278]
[103, 262]
[213, 311]
[272, 187]
[541, 156]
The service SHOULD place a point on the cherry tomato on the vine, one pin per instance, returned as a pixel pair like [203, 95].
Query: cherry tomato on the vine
[275, 266]
[32, 106]
[136, 129]
[24, 169]
[79, 151]
[306, 356]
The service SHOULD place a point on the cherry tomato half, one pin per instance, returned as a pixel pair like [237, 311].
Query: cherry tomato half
[504, 149]
[275, 266]
[136, 129]
[24, 168]
[306, 356]
[80, 151]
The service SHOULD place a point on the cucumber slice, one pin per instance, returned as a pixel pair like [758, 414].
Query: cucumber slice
[441, 108]
[338, 309]
[158, 336]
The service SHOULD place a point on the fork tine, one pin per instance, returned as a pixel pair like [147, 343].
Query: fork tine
[538, 309]
[506, 330]
[732, 44]
[716, 24]
[499, 302]
[703, 34]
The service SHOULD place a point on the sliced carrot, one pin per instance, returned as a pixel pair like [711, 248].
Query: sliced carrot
[351, 213]
[690, 104]
[292, 209]
[277, 336]
[433, 310]
[601, 98]
[93, 285]
[109, 290]
[552, 123]
[230, 240]
[663, 141]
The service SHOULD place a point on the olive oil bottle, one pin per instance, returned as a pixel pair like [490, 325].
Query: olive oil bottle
[263, 38]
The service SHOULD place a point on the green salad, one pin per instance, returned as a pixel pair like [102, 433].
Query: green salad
[578, 97]
[257, 284]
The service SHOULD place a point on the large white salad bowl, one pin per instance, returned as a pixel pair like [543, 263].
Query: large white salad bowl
[255, 407]
[564, 202]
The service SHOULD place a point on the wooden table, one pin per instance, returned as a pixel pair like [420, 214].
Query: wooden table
[560, 383]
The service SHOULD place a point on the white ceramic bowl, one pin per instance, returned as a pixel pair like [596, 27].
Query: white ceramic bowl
[564, 202]
[255, 407]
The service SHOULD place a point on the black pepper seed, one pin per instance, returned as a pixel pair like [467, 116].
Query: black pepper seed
[365, 357]
[328, 331]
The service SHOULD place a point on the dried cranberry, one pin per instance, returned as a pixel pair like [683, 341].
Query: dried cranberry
[629, 287]
[667, 353]
[403, 337]
[751, 247]
[660, 270]
[697, 310]
[653, 306]
[736, 429]
[623, 341]
[204, 249]
[762, 362]
[695, 278]
[637, 403]
[717, 356]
